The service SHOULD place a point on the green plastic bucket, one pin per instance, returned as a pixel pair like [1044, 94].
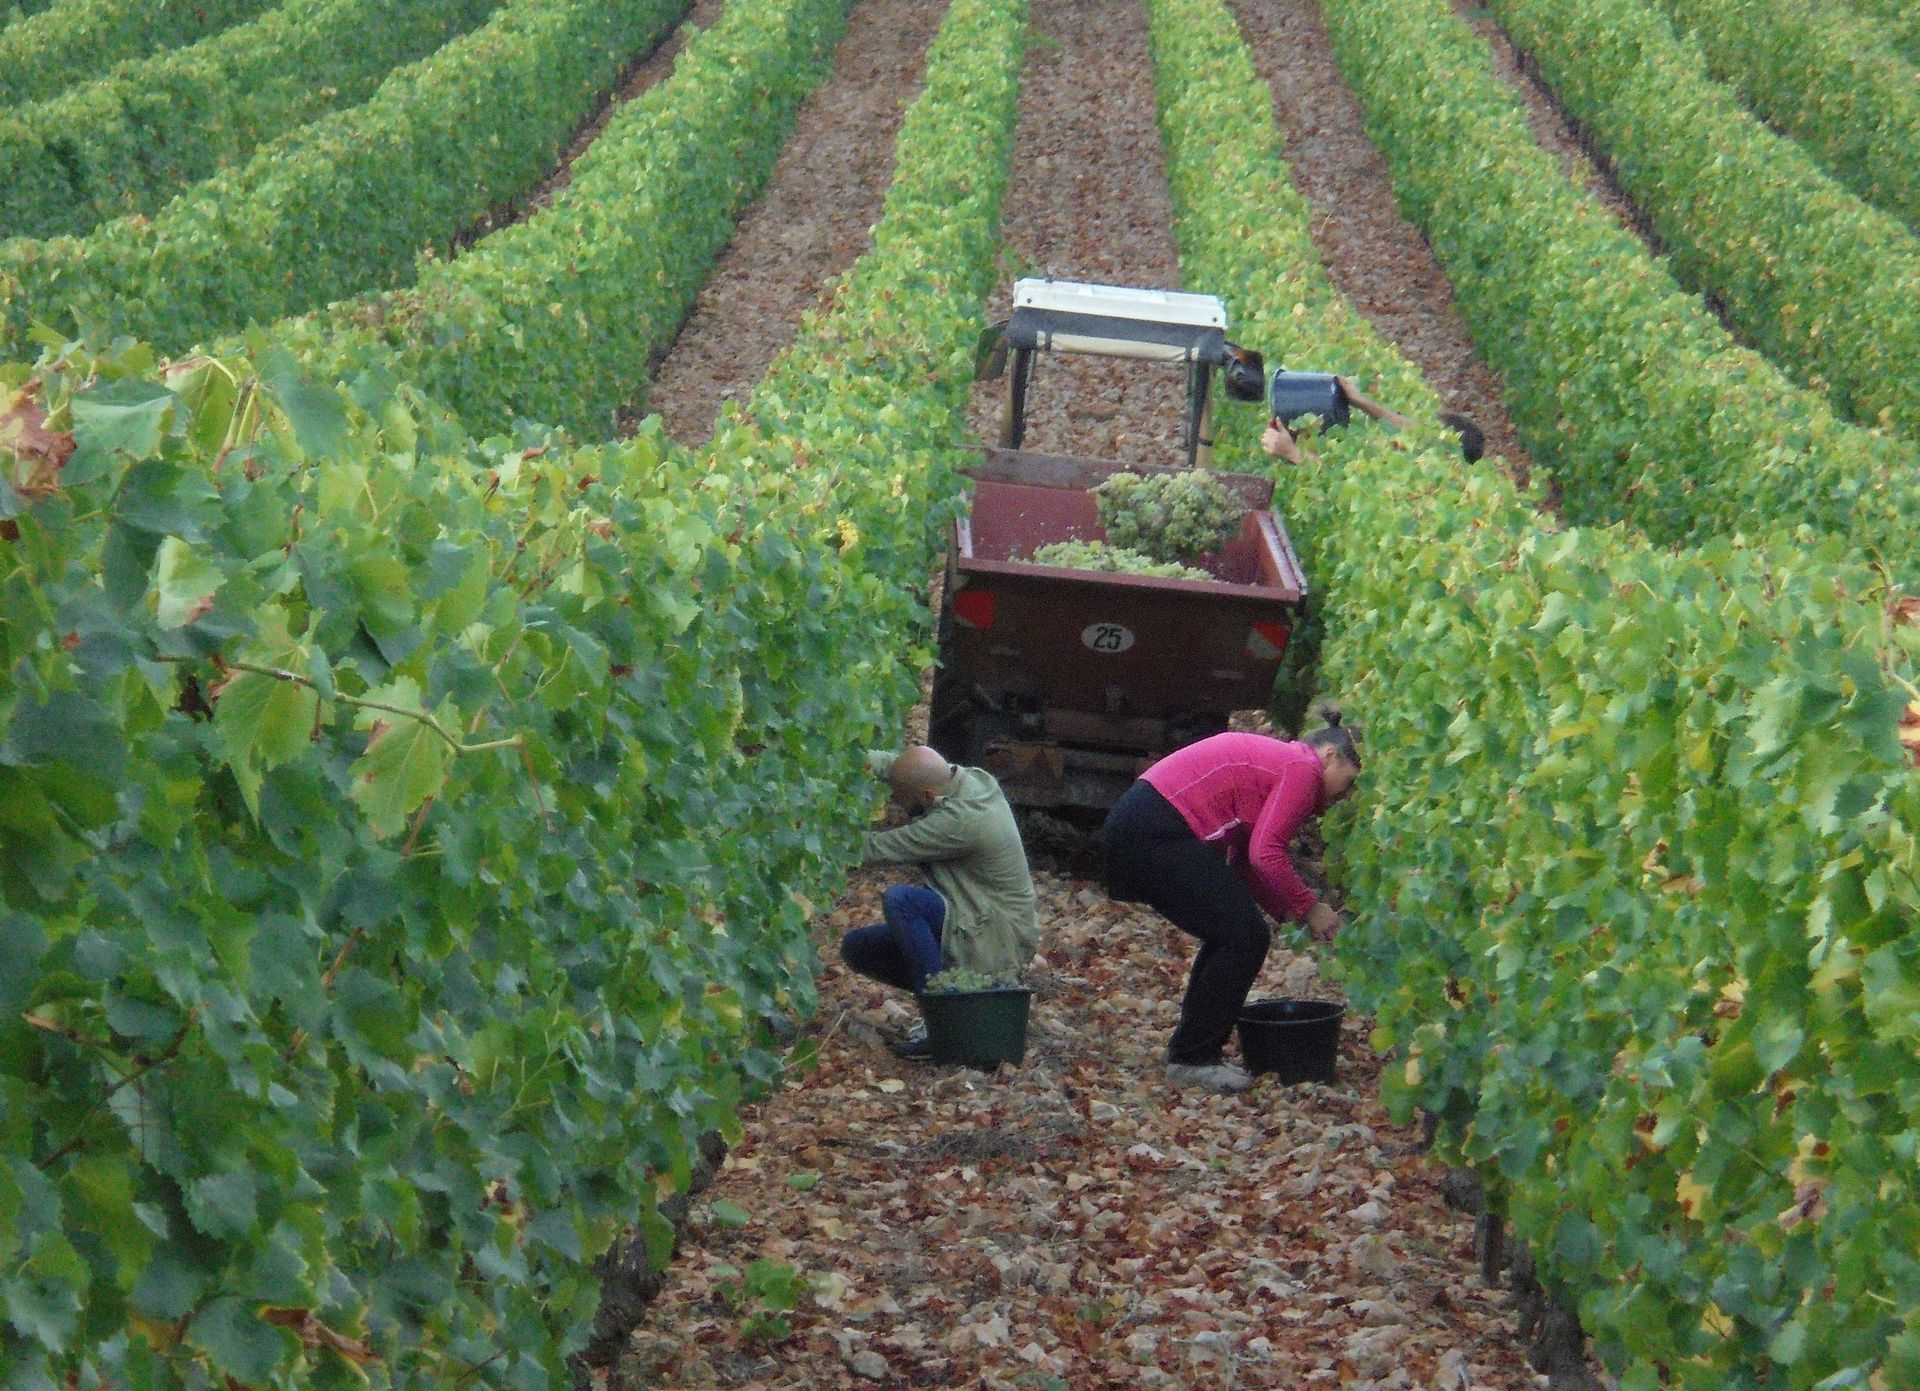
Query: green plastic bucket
[977, 1027]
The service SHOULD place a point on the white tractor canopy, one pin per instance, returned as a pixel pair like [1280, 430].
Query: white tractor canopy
[1068, 316]
[1071, 316]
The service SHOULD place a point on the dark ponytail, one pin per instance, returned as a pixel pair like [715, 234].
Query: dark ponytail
[1473, 443]
[1333, 735]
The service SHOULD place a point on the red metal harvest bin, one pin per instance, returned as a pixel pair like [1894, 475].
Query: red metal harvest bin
[1066, 683]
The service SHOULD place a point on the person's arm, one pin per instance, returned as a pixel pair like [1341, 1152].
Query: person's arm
[1368, 405]
[944, 833]
[1279, 440]
[1276, 885]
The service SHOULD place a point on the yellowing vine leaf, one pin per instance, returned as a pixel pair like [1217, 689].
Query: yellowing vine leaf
[184, 583]
[38, 453]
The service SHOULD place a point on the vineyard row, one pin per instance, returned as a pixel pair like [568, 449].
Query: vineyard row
[1897, 19]
[424, 825]
[343, 204]
[1809, 274]
[1630, 894]
[557, 317]
[1827, 77]
[129, 141]
[1620, 382]
[47, 50]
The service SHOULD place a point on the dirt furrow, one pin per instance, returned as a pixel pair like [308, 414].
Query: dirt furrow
[1088, 201]
[811, 224]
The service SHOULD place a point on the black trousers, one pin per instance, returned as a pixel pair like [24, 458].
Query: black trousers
[1152, 856]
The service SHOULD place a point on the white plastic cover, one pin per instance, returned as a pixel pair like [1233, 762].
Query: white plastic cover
[1120, 302]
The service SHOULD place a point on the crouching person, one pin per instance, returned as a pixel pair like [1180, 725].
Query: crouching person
[979, 914]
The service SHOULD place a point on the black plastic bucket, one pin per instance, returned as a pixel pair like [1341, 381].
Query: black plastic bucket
[977, 1027]
[1296, 1040]
[1294, 394]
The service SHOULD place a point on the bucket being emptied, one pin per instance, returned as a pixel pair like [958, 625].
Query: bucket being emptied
[981, 1028]
[1296, 1040]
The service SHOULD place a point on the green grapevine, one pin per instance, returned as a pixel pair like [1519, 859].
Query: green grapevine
[1631, 898]
[956, 980]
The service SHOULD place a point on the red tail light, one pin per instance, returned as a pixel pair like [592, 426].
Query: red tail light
[1268, 641]
[974, 607]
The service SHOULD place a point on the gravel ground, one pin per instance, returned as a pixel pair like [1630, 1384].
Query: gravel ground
[1075, 1222]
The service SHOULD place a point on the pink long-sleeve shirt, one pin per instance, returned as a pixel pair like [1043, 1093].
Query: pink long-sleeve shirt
[1250, 793]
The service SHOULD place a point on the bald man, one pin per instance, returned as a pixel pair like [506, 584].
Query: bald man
[979, 915]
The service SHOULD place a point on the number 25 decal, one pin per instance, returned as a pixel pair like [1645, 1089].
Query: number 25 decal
[1107, 637]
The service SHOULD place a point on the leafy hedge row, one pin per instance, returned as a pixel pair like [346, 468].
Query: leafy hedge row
[1899, 23]
[1622, 384]
[129, 140]
[20, 9]
[557, 317]
[1630, 891]
[405, 832]
[344, 204]
[1806, 272]
[59, 45]
[1823, 75]
[851, 434]
[346, 1010]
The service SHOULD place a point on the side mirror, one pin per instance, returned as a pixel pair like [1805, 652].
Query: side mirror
[990, 352]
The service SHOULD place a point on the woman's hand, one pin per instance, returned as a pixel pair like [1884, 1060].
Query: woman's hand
[1322, 923]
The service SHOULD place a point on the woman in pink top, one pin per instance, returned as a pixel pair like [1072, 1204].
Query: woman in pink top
[1203, 837]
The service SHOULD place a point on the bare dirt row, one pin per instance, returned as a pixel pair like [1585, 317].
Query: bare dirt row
[1072, 1222]
[811, 224]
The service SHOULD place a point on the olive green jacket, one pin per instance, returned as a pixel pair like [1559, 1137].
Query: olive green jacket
[970, 849]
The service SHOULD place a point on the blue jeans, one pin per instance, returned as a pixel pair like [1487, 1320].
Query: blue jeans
[905, 949]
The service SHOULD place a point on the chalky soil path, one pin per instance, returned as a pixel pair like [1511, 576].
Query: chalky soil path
[1073, 1222]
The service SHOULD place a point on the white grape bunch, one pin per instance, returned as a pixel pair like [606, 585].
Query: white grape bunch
[1112, 560]
[1171, 517]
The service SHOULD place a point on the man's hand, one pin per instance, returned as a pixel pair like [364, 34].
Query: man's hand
[1322, 923]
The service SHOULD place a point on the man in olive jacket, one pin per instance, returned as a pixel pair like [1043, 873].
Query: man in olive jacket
[980, 913]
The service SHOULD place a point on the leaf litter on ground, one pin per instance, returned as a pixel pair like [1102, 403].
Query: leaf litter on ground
[1075, 1221]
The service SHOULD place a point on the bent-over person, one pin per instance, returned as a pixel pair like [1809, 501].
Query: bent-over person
[1203, 837]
